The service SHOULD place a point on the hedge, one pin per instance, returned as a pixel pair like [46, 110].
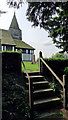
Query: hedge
[14, 98]
[57, 66]
[11, 62]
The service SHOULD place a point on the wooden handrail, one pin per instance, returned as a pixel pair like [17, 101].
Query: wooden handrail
[63, 83]
[26, 71]
[30, 87]
[52, 72]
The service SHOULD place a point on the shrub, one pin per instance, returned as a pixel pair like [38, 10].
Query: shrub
[14, 100]
[11, 62]
[66, 70]
[57, 65]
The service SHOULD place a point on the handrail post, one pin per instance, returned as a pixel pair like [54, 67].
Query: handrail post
[40, 55]
[31, 98]
[64, 92]
[30, 94]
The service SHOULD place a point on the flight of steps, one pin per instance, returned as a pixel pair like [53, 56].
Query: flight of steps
[45, 101]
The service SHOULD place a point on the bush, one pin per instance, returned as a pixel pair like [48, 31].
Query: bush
[14, 99]
[57, 66]
[66, 70]
[11, 62]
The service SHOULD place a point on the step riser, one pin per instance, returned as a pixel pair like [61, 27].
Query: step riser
[38, 79]
[43, 95]
[32, 73]
[41, 86]
[49, 105]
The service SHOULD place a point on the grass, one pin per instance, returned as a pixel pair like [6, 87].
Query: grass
[30, 67]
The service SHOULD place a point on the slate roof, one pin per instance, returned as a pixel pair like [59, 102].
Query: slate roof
[6, 38]
[21, 44]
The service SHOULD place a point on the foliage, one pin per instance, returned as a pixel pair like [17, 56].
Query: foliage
[30, 67]
[57, 65]
[14, 3]
[53, 17]
[59, 56]
[54, 86]
[14, 99]
[11, 51]
[11, 62]
[66, 70]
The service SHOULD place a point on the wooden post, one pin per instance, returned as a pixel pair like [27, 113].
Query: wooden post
[30, 94]
[40, 55]
[64, 92]
[31, 99]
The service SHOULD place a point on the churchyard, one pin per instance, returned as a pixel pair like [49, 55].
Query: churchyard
[30, 66]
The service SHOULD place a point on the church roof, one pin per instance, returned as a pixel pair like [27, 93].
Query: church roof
[14, 23]
[6, 38]
[21, 44]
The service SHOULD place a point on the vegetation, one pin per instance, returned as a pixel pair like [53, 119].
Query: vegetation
[60, 56]
[14, 98]
[66, 70]
[11, 62]
[14, 3]
[53, 17]
[30, 66]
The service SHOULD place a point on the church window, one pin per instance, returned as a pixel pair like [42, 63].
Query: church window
[9, 48]
[23, 50]
[32, 51]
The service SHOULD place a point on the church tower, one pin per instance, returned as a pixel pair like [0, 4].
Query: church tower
[14, 29]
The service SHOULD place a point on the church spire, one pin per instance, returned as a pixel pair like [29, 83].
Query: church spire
[14, 29]
[14, 23]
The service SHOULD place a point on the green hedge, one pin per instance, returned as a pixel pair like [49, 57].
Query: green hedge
[14, 98]
[57, 66]
[11, 62]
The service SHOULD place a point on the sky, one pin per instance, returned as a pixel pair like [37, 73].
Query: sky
[36, 37]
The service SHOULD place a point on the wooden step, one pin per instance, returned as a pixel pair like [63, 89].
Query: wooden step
[51, 113]
[36, 78]
[44, 98]
[33, 73]
[39, 85]
[43, 93]
[43, 104]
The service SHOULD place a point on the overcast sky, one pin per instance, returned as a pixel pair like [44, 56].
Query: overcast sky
[36, 37]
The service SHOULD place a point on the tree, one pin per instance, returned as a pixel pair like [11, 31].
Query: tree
[15, 3]
[53, 17]
[59, 55]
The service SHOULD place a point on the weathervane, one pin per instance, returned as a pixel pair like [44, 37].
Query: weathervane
[15, 3]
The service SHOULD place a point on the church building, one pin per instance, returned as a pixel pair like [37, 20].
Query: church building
[11, 40]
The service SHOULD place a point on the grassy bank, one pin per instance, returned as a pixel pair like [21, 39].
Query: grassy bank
[31, 67]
